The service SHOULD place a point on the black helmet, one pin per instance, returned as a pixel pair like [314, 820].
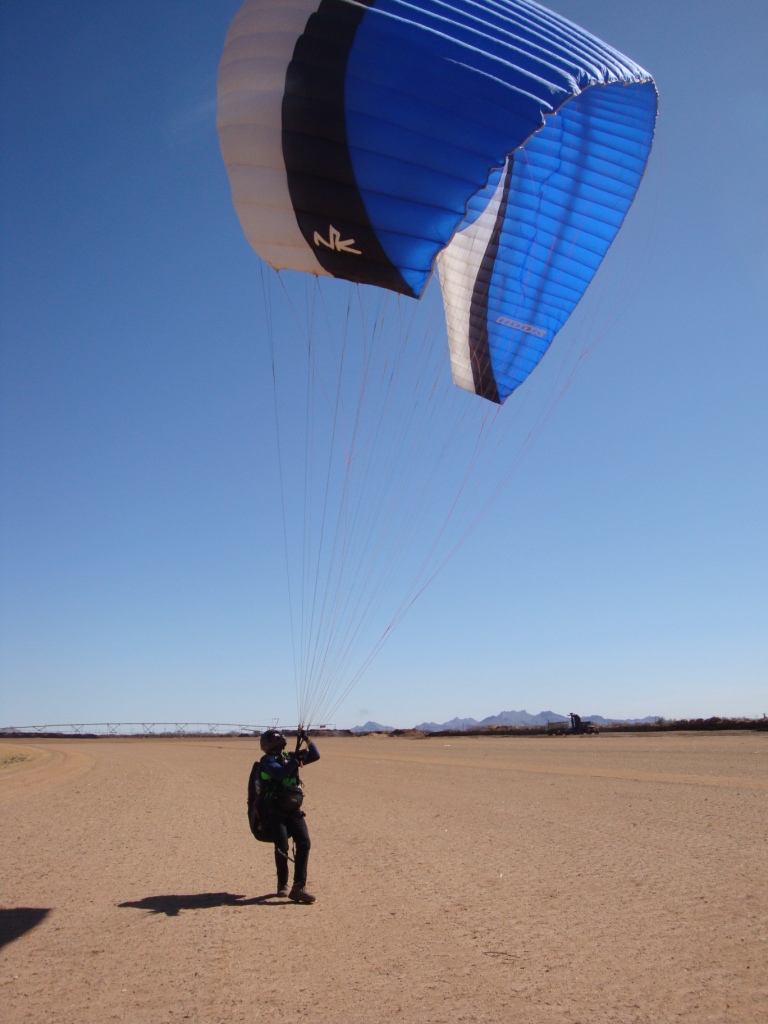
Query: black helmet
[272, 741]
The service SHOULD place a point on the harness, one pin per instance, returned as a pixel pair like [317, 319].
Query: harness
[267, 795]
[284, 794]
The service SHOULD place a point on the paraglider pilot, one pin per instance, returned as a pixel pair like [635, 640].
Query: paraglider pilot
[282, 798]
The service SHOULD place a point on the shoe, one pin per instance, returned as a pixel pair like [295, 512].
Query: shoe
[282, 892]
[300, 895]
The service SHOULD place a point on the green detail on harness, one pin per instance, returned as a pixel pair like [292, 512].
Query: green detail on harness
[293, 781]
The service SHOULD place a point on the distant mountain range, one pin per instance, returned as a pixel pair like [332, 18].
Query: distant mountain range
[372, 727]
[504, 718]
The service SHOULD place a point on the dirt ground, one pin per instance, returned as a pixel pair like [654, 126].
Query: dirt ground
[529, 880]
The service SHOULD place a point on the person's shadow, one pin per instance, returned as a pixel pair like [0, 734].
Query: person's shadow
[171, 905]
[15, 921]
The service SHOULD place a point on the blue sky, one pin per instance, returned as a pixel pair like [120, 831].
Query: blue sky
[622, 571]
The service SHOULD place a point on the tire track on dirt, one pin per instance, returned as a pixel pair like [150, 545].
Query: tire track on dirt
[27, 769]
[672, 778]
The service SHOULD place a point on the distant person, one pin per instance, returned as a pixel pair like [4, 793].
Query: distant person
[281, 799]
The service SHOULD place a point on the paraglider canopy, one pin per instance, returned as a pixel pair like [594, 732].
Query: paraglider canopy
[373, 140]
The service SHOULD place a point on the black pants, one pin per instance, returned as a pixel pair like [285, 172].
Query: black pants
[292, 825]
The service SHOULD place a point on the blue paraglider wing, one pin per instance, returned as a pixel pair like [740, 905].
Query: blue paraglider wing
[377, 139]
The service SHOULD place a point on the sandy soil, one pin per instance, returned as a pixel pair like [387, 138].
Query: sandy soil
[540, 881]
